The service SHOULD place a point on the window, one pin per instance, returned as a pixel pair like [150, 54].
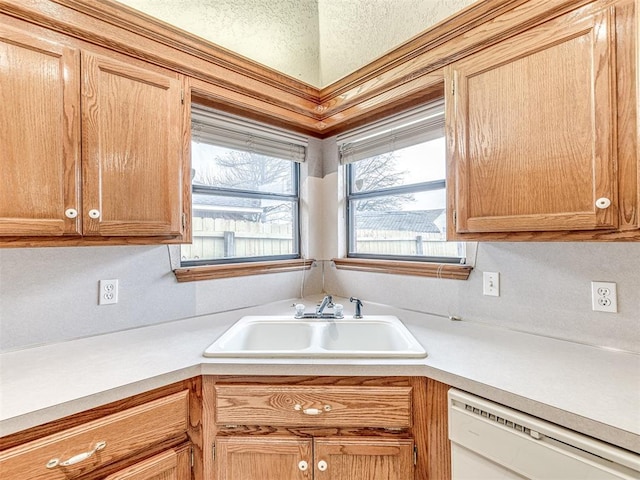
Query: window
[245, 186]
[396, 198]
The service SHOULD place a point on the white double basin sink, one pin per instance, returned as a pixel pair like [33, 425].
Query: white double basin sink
[375, 336]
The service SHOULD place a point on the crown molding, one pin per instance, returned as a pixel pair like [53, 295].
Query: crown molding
[404, 77]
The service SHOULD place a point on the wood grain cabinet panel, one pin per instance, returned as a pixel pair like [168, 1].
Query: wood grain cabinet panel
[39, 135]
[92, 147]
[532, 130]
[77, 451]
[169, 465]
[363, 459]
[317, 428]
[248, 458]
[337, 406]
[132, 163]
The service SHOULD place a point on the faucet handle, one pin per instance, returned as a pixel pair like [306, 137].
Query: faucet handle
[358, 312]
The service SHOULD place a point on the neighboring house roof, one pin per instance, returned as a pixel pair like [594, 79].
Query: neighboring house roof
[415, 221]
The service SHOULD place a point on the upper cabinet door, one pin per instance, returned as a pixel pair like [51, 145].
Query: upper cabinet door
[531, 124]
[39, 160]
[132, 125]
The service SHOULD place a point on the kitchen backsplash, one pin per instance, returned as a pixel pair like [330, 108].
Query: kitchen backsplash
[50, 294]
[545, 288]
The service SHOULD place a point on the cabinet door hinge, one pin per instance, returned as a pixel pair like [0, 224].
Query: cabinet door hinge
[455, 219]
[184, 221]
[182, 97]
[192, 458]
[213, 452]
[453, 86]
[415, 455]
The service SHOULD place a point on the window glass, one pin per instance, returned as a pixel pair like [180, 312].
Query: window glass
[396, 197]
[222, 167]
[415, 164]
[245, 204]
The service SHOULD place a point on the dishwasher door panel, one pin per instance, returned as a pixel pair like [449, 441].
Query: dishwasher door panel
[468, 465]
[487, 437]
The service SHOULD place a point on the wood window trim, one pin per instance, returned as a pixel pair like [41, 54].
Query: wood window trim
[420, 269]
[211, 272]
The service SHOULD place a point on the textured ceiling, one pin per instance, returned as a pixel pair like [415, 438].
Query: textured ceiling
[315, 41]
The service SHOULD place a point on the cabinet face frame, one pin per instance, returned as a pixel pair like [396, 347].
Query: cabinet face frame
[596, 30]
[51, 89]
[427, 430]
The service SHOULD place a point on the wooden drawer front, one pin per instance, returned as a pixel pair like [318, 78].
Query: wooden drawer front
[335, 406]
[125, 433]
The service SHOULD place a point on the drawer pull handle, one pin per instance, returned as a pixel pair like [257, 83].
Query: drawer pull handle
[54, 462]
[322, 465]
[312, 411]
[302, 465]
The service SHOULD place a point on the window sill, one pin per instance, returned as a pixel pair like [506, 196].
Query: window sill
[211, 272]
[435, 270]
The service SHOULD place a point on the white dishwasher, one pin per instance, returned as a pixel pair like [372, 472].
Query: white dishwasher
[493, 442]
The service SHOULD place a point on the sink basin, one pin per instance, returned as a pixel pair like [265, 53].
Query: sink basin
[275, 335]
[375, 336]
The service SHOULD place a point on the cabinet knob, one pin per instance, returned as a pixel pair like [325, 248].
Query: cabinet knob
[603, 202]
[302, 465]
[322, 465]
[71, 213]
[93, 213]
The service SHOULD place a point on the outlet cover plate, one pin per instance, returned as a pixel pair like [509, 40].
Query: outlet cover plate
[108, 292]
[604, 297]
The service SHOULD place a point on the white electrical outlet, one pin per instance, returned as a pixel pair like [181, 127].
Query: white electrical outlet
[491, 284]
[108, 292]
[604, 297]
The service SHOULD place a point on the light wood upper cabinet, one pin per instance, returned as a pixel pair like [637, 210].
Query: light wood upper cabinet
[532, 131]
[93, 147]
[132, 164]
[39, 135]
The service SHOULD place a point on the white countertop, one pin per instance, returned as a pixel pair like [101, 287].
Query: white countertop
[592, 390]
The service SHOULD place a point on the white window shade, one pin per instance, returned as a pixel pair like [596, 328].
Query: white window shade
[225, 130]
[401, 131]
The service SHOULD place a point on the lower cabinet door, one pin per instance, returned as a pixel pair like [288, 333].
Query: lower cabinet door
[246, 458]
[363, 459]
[169, 465]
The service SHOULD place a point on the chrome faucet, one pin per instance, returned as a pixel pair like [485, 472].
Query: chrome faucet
[358, 313]
[327, 301]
